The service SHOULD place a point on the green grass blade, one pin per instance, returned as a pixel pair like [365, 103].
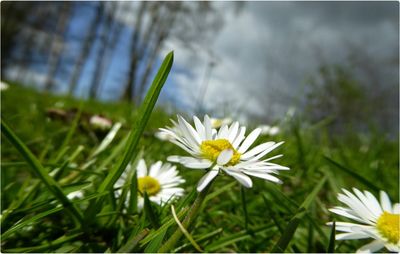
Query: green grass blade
[331, 246]
[244, 205]
[137, 130]
[184, 231]
[107, 140]
[38, 169]
[31, 220]
[149, 211]
[69, 135]
[291, 227]
[353, 174]
[133, 242]
[45, 247]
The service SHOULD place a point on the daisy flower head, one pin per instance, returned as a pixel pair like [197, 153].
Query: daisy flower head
[218, 122]
[226, 149]
[160, 182]
[373, 219]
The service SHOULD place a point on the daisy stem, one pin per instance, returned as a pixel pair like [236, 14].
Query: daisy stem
[194, 209]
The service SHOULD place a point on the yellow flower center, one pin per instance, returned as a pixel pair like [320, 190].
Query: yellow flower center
[210, 149]
[148, 184]
[388, 225]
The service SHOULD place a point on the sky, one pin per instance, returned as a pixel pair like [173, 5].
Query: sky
[260, 59]
[264, 54]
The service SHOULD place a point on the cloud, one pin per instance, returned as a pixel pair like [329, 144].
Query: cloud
[264, 54]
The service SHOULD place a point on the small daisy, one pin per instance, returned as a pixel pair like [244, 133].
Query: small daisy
[160, 182]
[100, 122]
[380, 221]
[3, 86]
[226, 149]
[269, 130]
[218, 122]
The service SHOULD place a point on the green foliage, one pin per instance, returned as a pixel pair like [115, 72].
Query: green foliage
[71, 156]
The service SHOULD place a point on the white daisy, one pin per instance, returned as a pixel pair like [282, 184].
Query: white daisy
[380, 221]
[269, 130]
[218, 122]
[100, 122]
[3, 86]
[160, 182]
[226, 149]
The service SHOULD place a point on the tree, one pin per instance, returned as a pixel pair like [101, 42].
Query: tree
[86, 47]
[57, 45]
[186, 22]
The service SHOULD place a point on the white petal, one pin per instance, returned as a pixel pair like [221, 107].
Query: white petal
[208, 128]
[351, 236]
[385, 202]
[233, 131]
[371, 247]
[374, 203]
[249, 140]
[256, 150]
[191, 133]
[260, 155]
[343, 212]
[224, 157]
[200, 128]
[206, 179]
[242, 178]
[223, 132]
[141, 168]
[263, 176]
[155, 169]
[236, 142]
[396, 208]
[190, 162]
[366, 203]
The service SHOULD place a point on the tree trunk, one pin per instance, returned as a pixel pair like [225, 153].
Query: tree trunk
[130, 84]
[104, 44]
[163, 33]
[57, 46]
[85, 51]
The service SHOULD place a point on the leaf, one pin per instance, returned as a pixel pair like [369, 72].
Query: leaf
[353, 174]
[331, 246]
[291, 227]
[137, 129]
[38, 169]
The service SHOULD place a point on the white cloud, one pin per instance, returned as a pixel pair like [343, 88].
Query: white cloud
[264, 54]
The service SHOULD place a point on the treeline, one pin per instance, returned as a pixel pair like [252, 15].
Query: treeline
[58, 39]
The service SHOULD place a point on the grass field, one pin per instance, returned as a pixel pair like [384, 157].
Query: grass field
[287, 217]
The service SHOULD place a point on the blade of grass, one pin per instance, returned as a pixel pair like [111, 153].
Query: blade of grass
[200, 239]
[231, 239]
[69, 135]
[107, 140]
[184, 231]
[136, 133]
[165, 225]
[39, 170]
[291, 227]
[331, 246]
[133, 242]
[244, 205]
[353, 174]
[149, 211]
[45, 247]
